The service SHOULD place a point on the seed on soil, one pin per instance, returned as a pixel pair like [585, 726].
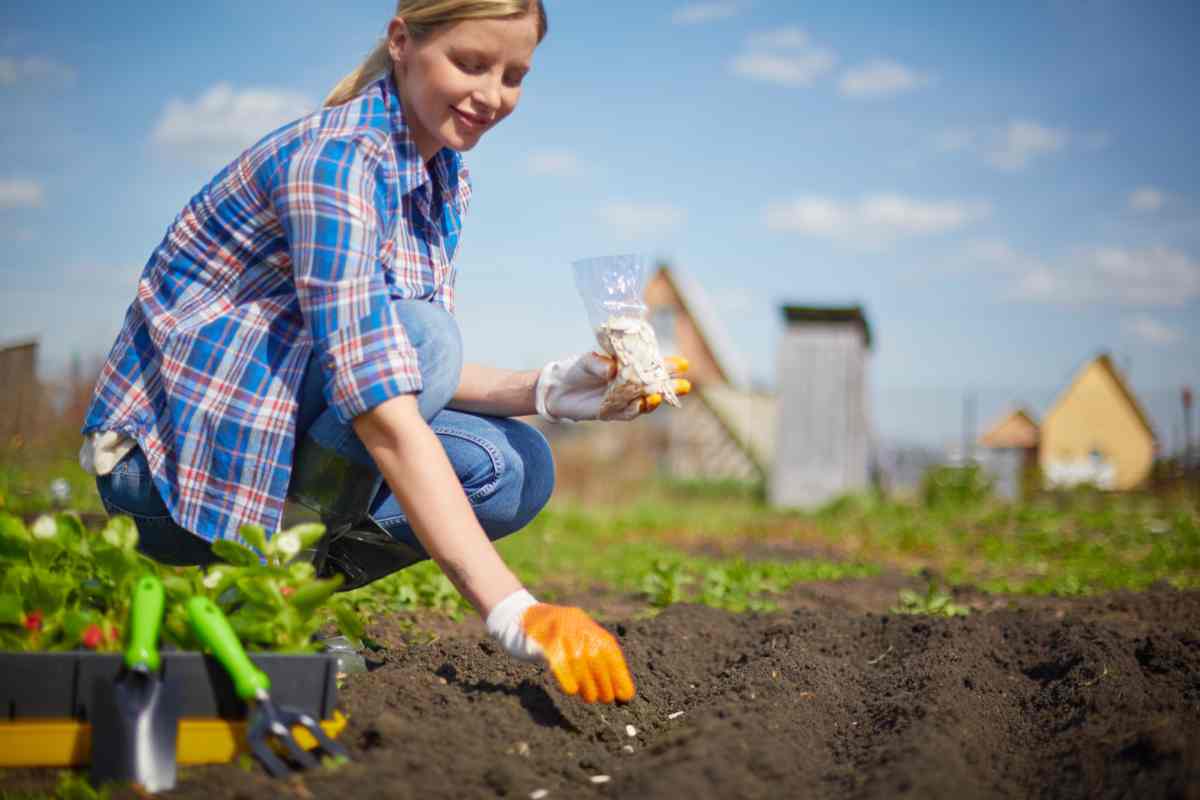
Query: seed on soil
[538, 794]
[523, 749]
[675, 715]
[630, 730]
[600, 779]
[628, 748]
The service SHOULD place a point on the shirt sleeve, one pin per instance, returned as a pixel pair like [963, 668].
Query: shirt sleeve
[331, 199]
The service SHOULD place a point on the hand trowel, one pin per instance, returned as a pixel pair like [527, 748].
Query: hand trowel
[135, 723]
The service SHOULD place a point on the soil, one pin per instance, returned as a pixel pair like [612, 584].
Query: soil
[1059, 698]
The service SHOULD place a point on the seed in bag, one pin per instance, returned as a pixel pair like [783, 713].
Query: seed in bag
[640, 368]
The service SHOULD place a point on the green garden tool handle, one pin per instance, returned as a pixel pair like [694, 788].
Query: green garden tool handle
[145, 618]
[216, 634]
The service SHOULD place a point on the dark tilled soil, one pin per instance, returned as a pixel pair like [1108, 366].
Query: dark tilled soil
[1088, 698]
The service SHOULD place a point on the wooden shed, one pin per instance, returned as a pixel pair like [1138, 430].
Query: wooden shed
[20, 401]
[1097, 432]
[822, 446]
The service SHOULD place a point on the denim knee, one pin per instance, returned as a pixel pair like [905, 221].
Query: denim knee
[527, 480]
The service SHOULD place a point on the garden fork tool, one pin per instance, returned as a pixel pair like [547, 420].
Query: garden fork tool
[267, 720]
[135, 719]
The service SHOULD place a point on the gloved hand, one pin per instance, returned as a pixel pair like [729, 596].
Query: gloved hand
[574, 388]
[585, 659]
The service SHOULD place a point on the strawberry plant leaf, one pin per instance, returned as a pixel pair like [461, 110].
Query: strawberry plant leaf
[255, 536]
[233, 553]
[12, 526]
[12, 610]
[120, 532]
[308, 598]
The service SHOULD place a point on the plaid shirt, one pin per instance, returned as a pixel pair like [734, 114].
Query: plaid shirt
[295, 248]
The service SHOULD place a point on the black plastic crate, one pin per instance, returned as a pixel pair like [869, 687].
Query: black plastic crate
[61, 685]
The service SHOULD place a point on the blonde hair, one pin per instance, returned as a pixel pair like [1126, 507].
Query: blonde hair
[423, 17]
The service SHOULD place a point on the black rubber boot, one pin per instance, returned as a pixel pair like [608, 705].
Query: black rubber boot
[340, 492]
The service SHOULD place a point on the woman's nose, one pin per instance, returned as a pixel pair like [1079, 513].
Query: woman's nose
[488, 93]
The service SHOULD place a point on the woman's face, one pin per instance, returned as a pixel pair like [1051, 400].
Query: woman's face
[462, 80]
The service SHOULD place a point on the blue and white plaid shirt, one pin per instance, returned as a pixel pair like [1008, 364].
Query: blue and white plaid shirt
[297, 247]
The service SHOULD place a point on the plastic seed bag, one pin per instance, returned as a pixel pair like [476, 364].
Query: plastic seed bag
[612, 288]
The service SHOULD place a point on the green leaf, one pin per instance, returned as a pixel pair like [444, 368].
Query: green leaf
[47, 592]
[233, 553]
[349, 622]
[262, 592]
[310, 533]
[311, 596]
[255, 536]
[12, 610]
[115, 564]
[12, 547]
[121, 533]
[178, 587]
[13, 527]
[74, 624]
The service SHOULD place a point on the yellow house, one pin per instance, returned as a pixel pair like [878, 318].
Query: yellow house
[1096, 432]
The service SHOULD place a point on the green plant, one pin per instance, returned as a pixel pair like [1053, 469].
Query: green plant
[935, 602]
[947, 487]
[65, 587]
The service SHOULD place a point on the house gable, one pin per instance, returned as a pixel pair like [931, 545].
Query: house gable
[1098, 421]
[693, 339]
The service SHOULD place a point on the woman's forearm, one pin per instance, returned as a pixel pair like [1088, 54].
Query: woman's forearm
[498, 392]
[420, 475]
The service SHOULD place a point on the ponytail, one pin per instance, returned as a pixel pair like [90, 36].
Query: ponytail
[374, 67]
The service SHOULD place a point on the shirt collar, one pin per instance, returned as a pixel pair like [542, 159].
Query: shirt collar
[446, 163]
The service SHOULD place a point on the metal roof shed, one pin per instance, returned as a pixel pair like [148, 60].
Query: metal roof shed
[823, 430]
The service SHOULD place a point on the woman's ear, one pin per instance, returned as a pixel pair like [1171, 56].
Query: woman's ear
[398, 39]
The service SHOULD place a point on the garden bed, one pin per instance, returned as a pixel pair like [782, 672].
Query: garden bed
[1094, 697]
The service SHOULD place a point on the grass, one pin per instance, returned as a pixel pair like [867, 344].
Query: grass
[673, 541]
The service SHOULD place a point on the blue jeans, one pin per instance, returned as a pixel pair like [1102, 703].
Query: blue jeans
[505, 466]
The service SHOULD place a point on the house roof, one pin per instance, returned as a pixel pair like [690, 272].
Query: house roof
[1104, 361]
[712, 332]
[799, 315]
[1015, 430]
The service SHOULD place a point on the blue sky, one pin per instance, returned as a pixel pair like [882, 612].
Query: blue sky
[1008, 190]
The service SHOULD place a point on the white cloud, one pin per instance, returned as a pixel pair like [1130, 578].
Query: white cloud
[1024, 140]
[874, 218]
[786, 56]
[561, 163]
[21, 193]
[223, 121]
[34, 69]
[636, 220]
[1155, 277]
[881, 77]
[1146, 198]
[1151, 330]
[697, 13]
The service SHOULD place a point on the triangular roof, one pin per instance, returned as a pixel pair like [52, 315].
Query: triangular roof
[1015, 430]
[1105, 363]
[713, 335]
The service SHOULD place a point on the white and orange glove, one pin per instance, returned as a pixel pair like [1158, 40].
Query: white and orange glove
[584, 658]
[573, 389]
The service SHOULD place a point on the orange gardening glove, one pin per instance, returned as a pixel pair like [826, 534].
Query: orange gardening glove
[585, 659]
[677, 366]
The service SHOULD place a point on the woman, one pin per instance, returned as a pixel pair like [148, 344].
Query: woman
[292, 337]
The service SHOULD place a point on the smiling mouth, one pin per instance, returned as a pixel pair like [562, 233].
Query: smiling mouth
[470, 119]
